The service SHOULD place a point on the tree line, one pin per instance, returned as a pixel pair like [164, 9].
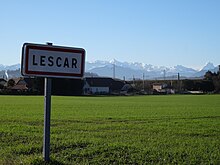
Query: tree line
[210, 83]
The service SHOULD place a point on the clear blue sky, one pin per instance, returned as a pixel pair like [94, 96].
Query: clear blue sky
[158, 32]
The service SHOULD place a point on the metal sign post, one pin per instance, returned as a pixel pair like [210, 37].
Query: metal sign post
[47, 110]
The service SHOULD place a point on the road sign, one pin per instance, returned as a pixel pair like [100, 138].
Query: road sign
[52, 61]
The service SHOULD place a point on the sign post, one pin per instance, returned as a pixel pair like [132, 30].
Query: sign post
[51, 61]
[47, 112]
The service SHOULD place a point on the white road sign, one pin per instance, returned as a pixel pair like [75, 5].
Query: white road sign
[52, 61]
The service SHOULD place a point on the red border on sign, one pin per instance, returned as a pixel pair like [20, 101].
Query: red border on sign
[53, 48]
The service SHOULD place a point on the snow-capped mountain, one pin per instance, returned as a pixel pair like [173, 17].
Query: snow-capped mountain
[136, 69]
[208, 66]
[130, 70]
[10, 67]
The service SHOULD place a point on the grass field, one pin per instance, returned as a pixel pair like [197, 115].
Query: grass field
[177, 129]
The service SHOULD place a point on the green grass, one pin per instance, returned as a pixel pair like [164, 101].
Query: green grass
[177, 129]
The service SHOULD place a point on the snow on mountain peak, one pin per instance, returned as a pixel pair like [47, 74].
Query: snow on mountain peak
[134, 69]
[9, 67]
[208, 66]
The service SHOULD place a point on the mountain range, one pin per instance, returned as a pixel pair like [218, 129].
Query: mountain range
[10, 67]
[128, 71]
[138, 70]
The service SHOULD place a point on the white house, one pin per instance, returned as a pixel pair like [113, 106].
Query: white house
[159, 86]
[97, 85]
[102, 85]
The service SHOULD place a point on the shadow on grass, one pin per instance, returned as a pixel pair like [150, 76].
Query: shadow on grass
[42, 162]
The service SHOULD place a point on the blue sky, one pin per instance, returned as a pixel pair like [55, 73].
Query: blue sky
[157, 32]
